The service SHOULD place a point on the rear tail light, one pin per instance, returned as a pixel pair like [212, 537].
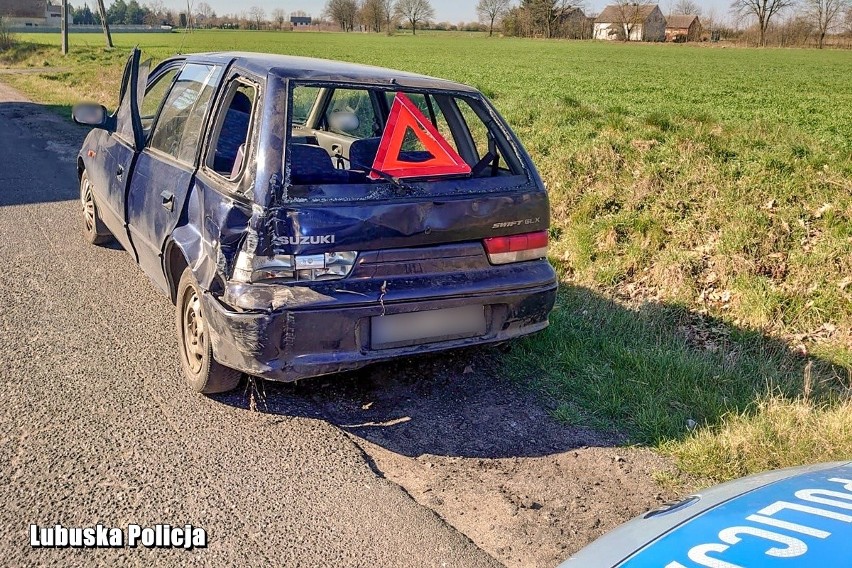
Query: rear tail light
[293, 268]
[516, 248]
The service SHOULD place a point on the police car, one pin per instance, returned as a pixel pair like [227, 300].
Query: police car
[787, 518]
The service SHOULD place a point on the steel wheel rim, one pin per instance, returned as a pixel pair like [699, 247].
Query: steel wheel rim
[88, 206]
[194, 332]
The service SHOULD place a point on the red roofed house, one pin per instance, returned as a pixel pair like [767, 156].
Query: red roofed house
[683, 28]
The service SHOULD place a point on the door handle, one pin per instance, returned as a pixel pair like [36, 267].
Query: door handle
[168, 200]
[119, 172]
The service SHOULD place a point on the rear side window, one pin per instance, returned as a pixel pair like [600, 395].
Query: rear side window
[304, 100]
[346, 102]
[478, 130]
[178, 127]
[355, 141]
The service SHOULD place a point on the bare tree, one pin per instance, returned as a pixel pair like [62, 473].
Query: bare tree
[631, 15]
[372, 15]
[825, 15]
[762, 10]
[257, 15]
[709, 21]
[344, 12]
[205, 10]
[204, 14]
[415, 11]
[389, 11]
[687, 8]
[490, 11]
[546, 18]
[279, 16]
[847, 23]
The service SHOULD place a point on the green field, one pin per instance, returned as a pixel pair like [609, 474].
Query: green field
[702, 223]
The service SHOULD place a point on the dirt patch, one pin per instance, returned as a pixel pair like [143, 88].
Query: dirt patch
[483, 453]
[531, 511]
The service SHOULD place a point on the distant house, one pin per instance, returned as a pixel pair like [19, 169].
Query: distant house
[34, 13]
[53, 15]
[23, 12]
[631, 21]
[683, 28]
[297, 21]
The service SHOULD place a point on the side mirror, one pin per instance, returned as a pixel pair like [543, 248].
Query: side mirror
[90, 114]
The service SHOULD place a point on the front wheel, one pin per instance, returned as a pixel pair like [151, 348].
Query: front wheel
[203, 373]
[94, 230]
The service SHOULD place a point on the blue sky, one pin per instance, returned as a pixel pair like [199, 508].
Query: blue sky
[445, 10]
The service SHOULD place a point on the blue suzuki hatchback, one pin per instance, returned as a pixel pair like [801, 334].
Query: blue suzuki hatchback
[309, 216]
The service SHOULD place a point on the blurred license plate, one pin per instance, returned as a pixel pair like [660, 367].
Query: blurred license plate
[423, 327]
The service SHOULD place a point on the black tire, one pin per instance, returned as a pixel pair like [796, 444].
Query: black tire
[94, 230]
[203, 373]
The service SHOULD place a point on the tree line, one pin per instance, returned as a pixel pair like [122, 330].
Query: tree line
[761, 22]
[379, 15]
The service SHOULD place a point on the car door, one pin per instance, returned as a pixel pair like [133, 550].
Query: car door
[164, 170]
[118, 150]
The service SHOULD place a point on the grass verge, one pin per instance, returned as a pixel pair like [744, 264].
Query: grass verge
[723, 401]
[778, 432]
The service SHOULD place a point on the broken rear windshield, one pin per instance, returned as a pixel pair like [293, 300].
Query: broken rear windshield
[355, 142]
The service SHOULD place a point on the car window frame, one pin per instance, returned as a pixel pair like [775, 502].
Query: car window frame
[515, 155]
[130, 87]
[161, 70]
[205, 123]
[232, 80]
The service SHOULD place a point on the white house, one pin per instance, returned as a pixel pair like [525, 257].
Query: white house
[35, 13]
[638, 22]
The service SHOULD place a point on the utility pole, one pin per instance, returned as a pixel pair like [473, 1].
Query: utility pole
[64, 27]
[102, 12]
[188, 16]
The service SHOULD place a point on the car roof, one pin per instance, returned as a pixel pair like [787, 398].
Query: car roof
[314, 69]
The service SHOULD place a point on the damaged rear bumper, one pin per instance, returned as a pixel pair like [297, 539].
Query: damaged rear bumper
[331, 332]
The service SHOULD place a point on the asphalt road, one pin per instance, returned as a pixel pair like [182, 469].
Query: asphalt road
[97, 426]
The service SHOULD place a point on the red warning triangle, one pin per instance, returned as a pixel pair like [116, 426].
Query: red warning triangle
[405, 115]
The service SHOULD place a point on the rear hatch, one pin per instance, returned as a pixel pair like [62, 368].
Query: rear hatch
[400, 183]
[372, 168]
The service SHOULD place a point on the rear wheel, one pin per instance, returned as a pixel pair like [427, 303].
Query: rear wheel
[94, 230]
[201, 371]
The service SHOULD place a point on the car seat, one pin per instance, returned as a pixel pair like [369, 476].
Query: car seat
[310, 165]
